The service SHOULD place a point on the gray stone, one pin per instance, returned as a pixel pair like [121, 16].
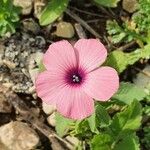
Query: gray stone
[130, 5]
[64, 29]
[5, 107]
[26, 6]
[142, 80]
[39, 5]
[48, 109]
[51, 120]
[18, 136]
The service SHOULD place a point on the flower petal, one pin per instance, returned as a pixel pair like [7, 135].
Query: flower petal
[91, 53]
[48, 84]
[75, 103]
[102, 83]
[60, 55]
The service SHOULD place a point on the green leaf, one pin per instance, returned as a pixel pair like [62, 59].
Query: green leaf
[41, 67]
[116, 32]
[82, 129]
[117, 60]
[107, 3]
[102, 116]
[129, 92]
[9, 17]
[101, 141]
[128, 120]
[92, 123]
[62, 124]
[129, 142]
[120, 60]
[53, 10]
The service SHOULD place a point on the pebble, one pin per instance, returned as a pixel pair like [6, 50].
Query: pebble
[39, 5]
[18, 136]
[5, 107]
[72, 140]
[30, 25]
[130, 5]
[143, 80]
[64, 29]
[26, 6]
[48, 109]
[51, 120]
[9, 64]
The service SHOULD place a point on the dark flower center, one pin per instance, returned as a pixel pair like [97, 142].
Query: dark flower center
[75, 76]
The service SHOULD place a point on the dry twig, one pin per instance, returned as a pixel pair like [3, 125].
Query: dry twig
[80, 31]
[83, 23]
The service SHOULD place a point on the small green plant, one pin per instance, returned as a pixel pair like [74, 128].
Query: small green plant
[124, 33]
[101, 131]
[9, 17]
[142, 18]
[146, 139]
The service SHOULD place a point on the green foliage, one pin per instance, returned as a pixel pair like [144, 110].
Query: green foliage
[116, 32]
[146, 110]
[128, 92]
[121, 60]
[9, 17]
[101, 141]
[62, 124]
[107, 3]
[126, 121]
[123, 33]
[41, 67]
[102, 116]
[92, 123]
[102, 132]
[131, 142]
[142, 17]
[52, 11]
[120, 131]
[146, 139]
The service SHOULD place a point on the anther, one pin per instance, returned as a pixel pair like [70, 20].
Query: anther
[75, 78]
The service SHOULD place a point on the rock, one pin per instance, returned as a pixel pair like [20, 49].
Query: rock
[9, 64]
[34, 60]
[18, 136]
[33, 74]
[32, 90]
[3, 147]
[1, 53]
[38, 56]
[5, 107]
[30, 25]
[17, 61]
[130, 5]
[26, 6]
[142, 80]
[51, 120]
[72, 140]
[38, 7]
[48, 109]
[65, 30]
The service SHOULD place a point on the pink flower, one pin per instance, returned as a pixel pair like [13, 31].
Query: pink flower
[73, 77]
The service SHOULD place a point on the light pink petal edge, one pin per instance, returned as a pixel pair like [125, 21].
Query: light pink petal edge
[102, 83]
[91, 53]
[60, 56]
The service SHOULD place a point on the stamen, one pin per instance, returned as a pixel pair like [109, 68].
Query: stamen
[75, 78]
